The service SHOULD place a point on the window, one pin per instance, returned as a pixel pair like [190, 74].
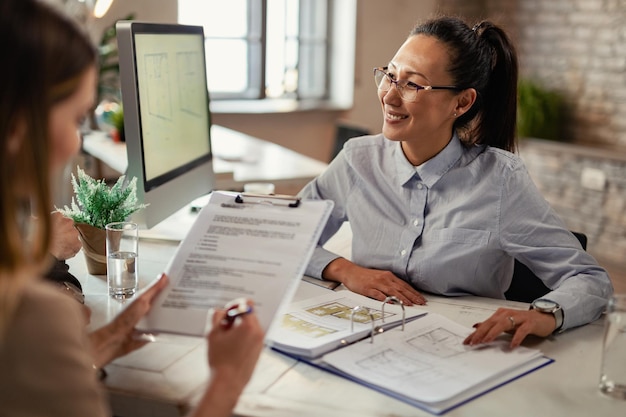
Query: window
[275, 49]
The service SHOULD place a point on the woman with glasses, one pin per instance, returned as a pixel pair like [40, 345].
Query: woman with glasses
[438, 203]
[47, 361]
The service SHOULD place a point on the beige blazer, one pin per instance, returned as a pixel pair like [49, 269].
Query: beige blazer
[45, 362]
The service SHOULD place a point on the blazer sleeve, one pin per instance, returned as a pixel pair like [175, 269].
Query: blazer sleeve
[46, 359]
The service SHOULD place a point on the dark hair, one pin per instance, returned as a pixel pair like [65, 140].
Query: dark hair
[482, 58]
[45, 58]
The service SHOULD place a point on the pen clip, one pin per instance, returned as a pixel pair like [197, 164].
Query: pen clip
[271, 199]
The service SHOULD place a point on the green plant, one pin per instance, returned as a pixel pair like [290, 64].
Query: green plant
[98, 204]
[108, 64]
[539, 111]
[117, 120]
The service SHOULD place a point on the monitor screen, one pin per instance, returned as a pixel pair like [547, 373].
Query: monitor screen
[167, 120]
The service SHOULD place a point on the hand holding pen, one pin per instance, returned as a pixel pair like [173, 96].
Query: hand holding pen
[234, 309]
[235, 340]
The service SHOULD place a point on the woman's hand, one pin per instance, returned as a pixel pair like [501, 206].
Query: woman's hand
[119, 338]
[65, 242]
[520, 323]
[233, 352]
[234, 349]
[372, 283]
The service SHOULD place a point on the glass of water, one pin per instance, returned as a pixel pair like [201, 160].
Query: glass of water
[613, 371]
[122, 241]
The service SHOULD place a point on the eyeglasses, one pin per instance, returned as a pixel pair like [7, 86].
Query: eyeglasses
[407, 89]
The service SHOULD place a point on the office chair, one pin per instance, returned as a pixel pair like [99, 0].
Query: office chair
[526, 286]
[343, 133]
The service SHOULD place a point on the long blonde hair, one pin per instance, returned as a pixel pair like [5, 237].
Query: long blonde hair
[45, 58]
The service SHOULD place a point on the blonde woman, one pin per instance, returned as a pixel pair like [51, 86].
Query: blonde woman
[47, 361]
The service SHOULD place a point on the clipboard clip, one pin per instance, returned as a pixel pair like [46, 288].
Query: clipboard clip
[269, 199]
[394, 300]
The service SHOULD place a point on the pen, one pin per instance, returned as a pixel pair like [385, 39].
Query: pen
[240, 309]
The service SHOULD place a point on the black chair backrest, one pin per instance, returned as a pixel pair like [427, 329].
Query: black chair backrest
[525, 285]
[343, 134]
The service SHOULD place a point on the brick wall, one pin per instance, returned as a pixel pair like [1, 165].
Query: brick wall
[588, 190]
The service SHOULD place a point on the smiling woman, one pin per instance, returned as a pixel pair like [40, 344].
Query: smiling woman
[438, 203]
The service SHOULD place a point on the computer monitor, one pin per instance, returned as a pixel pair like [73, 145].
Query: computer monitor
[167, 121]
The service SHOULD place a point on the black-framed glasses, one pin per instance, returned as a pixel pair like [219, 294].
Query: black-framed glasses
[407, 89]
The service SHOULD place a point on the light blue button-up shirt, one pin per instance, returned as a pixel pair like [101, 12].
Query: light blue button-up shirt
[454, 224]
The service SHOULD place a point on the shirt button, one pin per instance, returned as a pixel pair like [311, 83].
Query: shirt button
[416, 222]
[420, 186]
[403, 252]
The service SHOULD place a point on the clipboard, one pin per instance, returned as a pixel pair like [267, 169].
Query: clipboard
[256, 248]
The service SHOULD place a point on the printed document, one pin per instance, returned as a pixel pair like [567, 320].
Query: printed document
[255, 248]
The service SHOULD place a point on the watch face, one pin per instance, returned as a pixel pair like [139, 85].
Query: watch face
[545, 304]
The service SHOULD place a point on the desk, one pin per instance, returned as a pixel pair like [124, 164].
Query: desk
[238, 159]
[166, 377]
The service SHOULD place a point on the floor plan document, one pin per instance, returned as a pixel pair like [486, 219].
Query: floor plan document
[312, 327]
[239, 246]
[428, 366]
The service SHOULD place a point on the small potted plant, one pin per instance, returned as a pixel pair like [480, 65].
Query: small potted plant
[117, 120]
[93, 206]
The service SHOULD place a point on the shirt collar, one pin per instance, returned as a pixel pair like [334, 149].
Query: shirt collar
[433, 169]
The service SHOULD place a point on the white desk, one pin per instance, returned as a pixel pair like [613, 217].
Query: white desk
[165, 377]
[238, 159]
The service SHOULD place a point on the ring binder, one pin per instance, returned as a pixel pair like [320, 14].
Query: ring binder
[271, 199]
[358, 309]
[395, 300]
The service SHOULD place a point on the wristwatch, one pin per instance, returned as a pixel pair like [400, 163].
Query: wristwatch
[543, 305]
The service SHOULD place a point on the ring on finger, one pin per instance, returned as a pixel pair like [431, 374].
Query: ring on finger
[512, 320]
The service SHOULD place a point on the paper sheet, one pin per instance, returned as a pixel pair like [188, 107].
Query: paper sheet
[253, 250]
[428, 361]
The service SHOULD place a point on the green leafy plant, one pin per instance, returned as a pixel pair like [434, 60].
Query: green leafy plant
[539, 111]
[108, 63]
[117, 120]
[97, 204]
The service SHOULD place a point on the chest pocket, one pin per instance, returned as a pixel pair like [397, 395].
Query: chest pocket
[447, 259]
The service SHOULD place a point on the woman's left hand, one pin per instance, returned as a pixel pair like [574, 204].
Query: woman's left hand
[519, 323]
[119, 337]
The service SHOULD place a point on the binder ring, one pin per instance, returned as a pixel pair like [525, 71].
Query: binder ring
[366, 310]
[394, 300]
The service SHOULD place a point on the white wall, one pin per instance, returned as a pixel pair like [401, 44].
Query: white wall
[382, 26]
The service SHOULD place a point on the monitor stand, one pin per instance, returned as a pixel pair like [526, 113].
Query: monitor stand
[176, 226]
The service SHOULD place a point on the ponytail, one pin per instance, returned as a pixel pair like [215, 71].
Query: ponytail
[499, 112]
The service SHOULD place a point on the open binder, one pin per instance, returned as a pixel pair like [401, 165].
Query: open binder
[240, 246]
[310, 328]
[425, 363]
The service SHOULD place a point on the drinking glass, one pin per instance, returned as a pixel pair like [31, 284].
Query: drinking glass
[122, 242]
[613, 370]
